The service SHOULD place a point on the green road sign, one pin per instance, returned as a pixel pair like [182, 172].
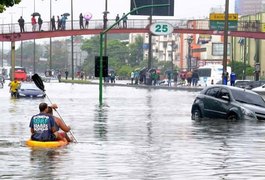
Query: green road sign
[219, 25]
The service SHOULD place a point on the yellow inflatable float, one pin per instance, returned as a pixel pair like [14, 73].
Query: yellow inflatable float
[46, 144]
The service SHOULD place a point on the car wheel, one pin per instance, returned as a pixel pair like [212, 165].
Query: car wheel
[232, 117]
[196, 114]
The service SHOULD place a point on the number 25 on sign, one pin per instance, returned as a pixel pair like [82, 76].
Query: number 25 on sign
[161, 28]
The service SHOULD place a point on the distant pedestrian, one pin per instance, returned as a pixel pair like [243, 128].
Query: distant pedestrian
[81, 21]
[136, 77]
[132, 77]
[86, 23]
[33, 23]
[225, 78]
[124, 21]
[188, 77]
[59, 76]
[232, 78]
[66, 74]
[58, 23]
[63, 22]
[40, 23]
[105, 21]
[21, 23]
[82, 74]
[195, 78]
[117, 19]
[53, 28]
[169, 77]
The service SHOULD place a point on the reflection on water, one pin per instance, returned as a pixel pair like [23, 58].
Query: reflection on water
[100, 125]
[137, 134]
[44, 161]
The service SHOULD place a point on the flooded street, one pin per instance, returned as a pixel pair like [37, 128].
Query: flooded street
[139, 134]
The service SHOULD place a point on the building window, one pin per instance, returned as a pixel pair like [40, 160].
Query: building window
[218, 49]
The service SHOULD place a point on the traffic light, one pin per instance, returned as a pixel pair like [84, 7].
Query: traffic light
[104, 66]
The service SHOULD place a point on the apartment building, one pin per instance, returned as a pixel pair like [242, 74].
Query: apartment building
[249, 7]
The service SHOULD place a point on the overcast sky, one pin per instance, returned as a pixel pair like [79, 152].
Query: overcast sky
[183, 8]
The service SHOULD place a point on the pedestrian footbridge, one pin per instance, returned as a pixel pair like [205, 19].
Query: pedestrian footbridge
[11, 32]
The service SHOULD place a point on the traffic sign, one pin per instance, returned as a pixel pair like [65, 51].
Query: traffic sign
[161, 28]
[219, 25]
[221, 16]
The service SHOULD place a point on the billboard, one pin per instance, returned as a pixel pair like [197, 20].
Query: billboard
[155, 11]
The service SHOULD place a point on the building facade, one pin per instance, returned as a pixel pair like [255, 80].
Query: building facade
[249, 7]
[250, 50]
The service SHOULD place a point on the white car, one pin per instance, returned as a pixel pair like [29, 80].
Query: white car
[260, 89]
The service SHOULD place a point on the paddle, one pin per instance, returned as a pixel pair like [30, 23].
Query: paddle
[39, 83]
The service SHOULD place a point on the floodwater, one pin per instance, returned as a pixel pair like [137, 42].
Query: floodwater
[139, 134]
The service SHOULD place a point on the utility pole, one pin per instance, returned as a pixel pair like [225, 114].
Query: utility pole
[225, 43]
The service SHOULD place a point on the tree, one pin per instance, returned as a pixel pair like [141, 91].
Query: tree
[91, 46]
[165, 66]
[118, 54]
[239, 67]
[59, 56]
[28, 54]
[7, 3]
[136, 51]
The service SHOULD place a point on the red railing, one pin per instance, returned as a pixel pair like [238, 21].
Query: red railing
[252, 29]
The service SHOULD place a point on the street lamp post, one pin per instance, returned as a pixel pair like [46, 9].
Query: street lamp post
[72, 41]
[50, 62]
[34, 49]
[189, 40]
[13, 60]
[105, 25]
[21, 43]
[2, 41]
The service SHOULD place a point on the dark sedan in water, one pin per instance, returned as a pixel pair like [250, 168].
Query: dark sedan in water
[30, 90]
[227, 102]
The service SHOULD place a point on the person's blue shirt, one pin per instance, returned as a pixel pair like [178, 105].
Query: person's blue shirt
[42, 125]
[232, 76]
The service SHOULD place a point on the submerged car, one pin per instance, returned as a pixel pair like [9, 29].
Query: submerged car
[249, 84]
[228, 102]
[259, 90]
[30, 90]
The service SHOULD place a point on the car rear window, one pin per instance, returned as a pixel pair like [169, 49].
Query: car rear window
[249, 98]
